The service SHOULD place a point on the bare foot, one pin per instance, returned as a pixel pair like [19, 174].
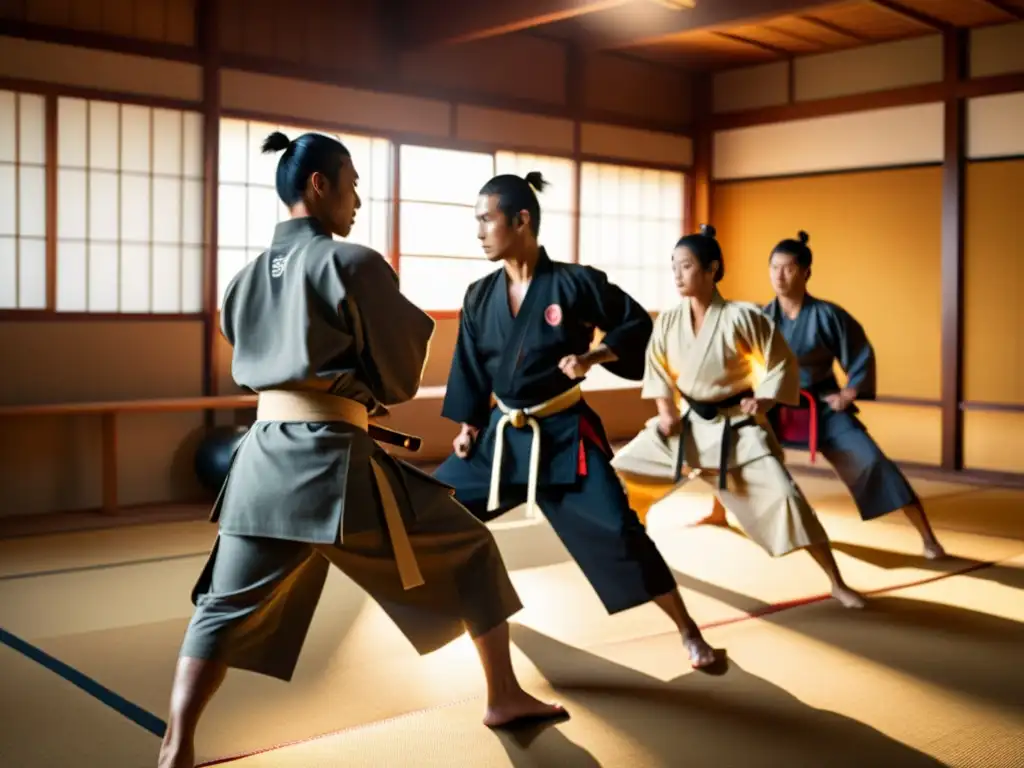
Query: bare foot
[934, 551]
[701, 654]
[848, 597]
[521, 708]
[176, 757]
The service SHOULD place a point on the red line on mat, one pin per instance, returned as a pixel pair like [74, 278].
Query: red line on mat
[787, 604]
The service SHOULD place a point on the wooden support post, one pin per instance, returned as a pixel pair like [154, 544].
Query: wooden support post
[208, 27]
[51, 202]
[575, 93]
[953, 163]
[700, 198]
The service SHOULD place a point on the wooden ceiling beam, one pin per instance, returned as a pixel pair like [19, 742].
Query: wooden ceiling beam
[768, 47]
[648, 23]
[832, 27]
[939, 25]
[1005, 7]
[425, 24]
[795, 36]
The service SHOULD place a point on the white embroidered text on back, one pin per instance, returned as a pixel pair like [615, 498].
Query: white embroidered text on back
[277, 265]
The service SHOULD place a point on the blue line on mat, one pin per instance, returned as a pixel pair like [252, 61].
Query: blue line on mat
[133, 712]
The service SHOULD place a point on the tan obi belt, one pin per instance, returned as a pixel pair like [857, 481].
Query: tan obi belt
[305, 406]
[520, 418]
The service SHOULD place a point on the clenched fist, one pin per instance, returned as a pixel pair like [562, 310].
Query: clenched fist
[574, 366]
[751, 406]
[840, 401]
[668, 424]
[464, 441]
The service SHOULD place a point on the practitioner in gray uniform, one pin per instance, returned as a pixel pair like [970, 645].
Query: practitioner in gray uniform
[320, 330]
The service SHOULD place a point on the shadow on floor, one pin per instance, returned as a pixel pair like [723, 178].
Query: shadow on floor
[962, 650]
[697, 720]
[1006, 575]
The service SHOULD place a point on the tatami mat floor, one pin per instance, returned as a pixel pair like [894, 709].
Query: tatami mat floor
[929, 675]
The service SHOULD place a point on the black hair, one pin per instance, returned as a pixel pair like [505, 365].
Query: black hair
[515, 194]
[308, 154]
[796, 248]
[705, 247]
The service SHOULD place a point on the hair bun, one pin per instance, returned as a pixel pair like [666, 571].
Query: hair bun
[803, 237]
[707, 230]
[275, 142]
[536, 180]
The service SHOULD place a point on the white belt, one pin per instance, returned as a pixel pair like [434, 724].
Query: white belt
[293, 405]
[519, 418]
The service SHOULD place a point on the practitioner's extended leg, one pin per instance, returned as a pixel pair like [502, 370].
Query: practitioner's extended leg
[822, 554]
[933, 550]
[195, 683]
[773, 511]
[240, 585]
[466, 589]
[877, 485]
[507, 703]
[701, 653]
[610, 544]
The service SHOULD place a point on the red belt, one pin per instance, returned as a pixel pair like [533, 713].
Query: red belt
[800, 425]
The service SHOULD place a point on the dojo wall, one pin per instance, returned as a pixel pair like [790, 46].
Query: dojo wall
[461, 97]
[994, 286]
[994, 261]
[867, 186]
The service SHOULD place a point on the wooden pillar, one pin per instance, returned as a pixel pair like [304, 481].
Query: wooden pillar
[395, 244]
[51, 202]
[953, 163]
[208, 39]
[575, 98]
[389, 21]
[699, 208]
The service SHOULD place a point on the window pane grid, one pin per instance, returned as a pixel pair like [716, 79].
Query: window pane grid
[249, 208]
[124, 174]
[23, 188]
[630, 218]
[559, 172]
[440, 253]
[557, 201]
[130, 208]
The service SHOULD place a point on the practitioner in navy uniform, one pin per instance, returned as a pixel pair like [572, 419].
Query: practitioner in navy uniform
[526, 337]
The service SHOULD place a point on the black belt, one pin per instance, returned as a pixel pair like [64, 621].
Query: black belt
[708, 411]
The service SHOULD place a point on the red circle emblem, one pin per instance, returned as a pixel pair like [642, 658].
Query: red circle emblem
[553, 314]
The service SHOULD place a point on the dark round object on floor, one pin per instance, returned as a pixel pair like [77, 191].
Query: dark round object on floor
[214, 454]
